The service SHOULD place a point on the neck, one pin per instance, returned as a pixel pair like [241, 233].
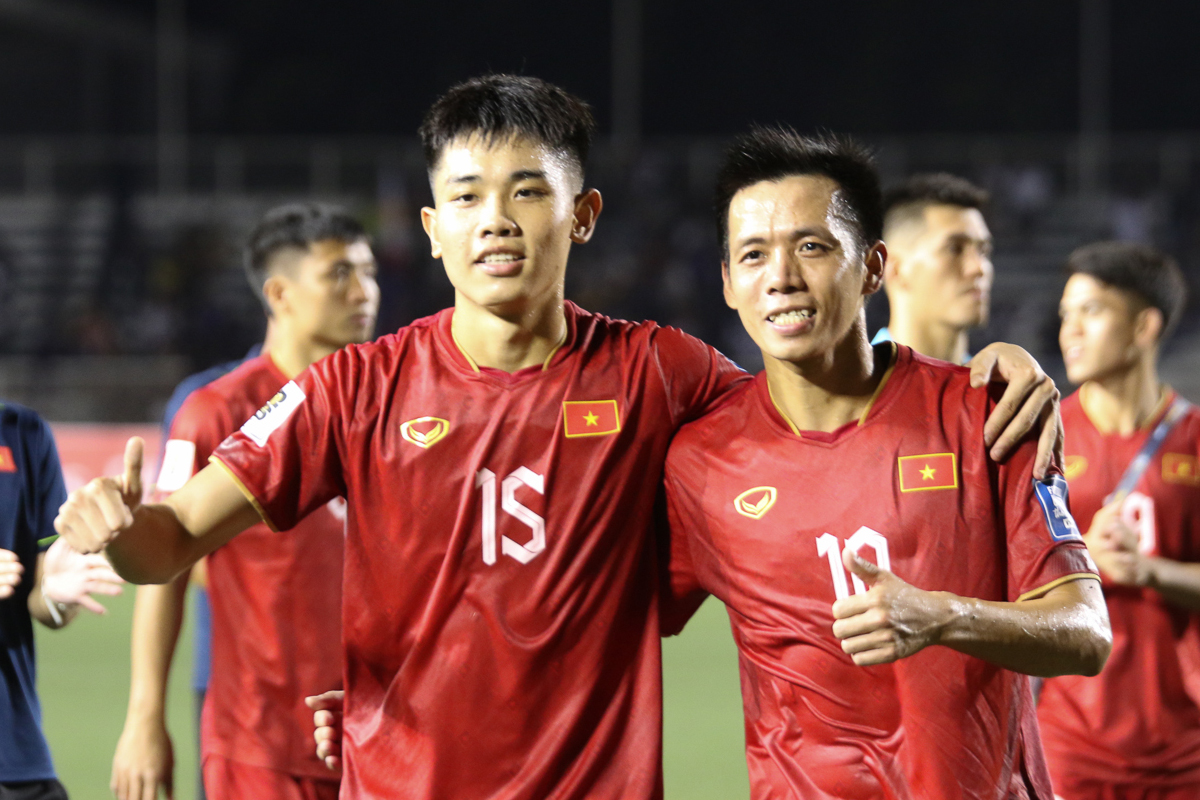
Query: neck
[928, 337]
[828, 391]
[291, 353]
[1123, 402]
[509, 342]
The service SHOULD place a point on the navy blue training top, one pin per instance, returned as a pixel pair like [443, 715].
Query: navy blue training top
[202, 625]
[31, 491]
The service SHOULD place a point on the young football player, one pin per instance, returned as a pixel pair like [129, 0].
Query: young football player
[275, 598]
[938, 275]
[500, 461]
[1133, 451]
[887, 582]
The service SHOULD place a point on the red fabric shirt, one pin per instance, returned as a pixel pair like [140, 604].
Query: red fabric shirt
[760, 516]
[501, 639]
[276, 597]
[1137, 722]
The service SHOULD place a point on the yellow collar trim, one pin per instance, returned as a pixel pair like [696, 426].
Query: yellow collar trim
[882, 382]
[545, 364]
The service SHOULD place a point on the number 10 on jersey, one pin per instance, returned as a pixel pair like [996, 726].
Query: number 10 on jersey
[829, 546]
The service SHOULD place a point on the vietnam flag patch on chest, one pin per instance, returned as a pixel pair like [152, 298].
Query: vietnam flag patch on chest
[590, 418]
[929, 471]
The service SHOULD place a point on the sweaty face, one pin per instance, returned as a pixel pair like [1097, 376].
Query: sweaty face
[1098, 329]
[502, 221]
[946, 265]
[330, 292]
[797, 272]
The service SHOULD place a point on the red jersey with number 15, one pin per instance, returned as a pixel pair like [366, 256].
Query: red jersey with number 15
[500, 609]
[1138, 721]
[276, 597]
[760, 515]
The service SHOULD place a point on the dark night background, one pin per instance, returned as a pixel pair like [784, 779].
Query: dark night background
[338, 67]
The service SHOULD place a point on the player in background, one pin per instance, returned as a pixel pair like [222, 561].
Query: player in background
[275, 597]
[38, 580]
[887, 581]
[938, 275]
[1132, 459]
[154, 762]
[500, 461]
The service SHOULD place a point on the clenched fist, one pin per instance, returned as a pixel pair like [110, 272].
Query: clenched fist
[94, 515]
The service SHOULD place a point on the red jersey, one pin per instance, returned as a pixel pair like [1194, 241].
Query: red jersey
[501, 634]
[276, 598]
[1136, 722]
[759, 517]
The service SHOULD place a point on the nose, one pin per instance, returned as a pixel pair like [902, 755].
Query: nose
[363, 288]
[495, 219]
[977, 264]
[784, 275]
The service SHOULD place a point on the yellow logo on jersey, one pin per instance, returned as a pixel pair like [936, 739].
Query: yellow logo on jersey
[756, 502]
[433, 430]
[1180, 468]
[1074, 467]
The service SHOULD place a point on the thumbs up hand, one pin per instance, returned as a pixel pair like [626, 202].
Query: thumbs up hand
[94, 515]
[892, 620]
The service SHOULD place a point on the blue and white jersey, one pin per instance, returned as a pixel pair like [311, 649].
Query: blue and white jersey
[31, 491]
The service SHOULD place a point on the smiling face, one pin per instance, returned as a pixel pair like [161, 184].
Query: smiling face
[505, 214]
[1103, 330]
[797, 270]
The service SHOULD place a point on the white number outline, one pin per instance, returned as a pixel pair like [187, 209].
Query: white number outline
[485, 480]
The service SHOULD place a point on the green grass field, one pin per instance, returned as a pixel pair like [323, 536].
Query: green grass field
[84, 685]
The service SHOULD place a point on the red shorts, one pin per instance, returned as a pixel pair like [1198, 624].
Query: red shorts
[232, 780]
[1094, 790]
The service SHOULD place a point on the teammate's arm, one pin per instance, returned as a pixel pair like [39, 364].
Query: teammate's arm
[144, 760]
[1063, 632]
[1030, 402]
[1114, 546]
[153, 543]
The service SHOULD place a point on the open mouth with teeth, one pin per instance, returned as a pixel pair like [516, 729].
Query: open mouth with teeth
[792, 317]
[500, 258]
[501, 265]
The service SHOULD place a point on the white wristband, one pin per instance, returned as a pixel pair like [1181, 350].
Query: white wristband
[55, 608]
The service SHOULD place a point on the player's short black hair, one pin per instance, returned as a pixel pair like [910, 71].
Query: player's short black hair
[500, 106]
[295, 226]
[908, 200]
[776, 152]
[1151, 276]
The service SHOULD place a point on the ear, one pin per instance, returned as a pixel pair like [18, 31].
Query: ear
[428, 221]
[275, 293]
[588, 206]
[876, 263]
[726, 288]
[1148, 327]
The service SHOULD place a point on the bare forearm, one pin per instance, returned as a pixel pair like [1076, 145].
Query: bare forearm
[1064, 633]
[1177, 581]
[157, 618]
[155, 549]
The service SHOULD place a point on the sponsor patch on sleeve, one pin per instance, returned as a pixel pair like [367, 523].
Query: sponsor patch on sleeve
[179, 460]
[268, 418]
[1052, 495]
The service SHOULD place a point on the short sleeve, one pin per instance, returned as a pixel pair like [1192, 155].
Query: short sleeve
[680, 589]
[198, 427]
[696, 377]
[286, 458]
[51, 490]
[1045, 548]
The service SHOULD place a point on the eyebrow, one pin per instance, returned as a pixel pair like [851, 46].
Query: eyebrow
[519, 175]
[797, 234]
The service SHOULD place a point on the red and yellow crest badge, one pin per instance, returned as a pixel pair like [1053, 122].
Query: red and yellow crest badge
[1180, 468]
[590, 418]
[7, 464]
[930, 471]
[756, 502]
[425, 432]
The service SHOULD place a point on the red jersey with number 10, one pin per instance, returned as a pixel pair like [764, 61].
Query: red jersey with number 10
[1138, 721]
[500, 608]
[760, 516]
[276, 598]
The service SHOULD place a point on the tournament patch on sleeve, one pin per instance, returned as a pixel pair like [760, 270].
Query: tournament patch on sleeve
[1052, 495]
[179, 459]
[268, 418]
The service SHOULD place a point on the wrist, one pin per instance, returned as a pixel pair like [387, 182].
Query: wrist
[59, 611]
[952, 617]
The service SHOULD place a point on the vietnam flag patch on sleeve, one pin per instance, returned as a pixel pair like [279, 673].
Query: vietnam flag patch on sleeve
[590, 418]
[929, 471]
